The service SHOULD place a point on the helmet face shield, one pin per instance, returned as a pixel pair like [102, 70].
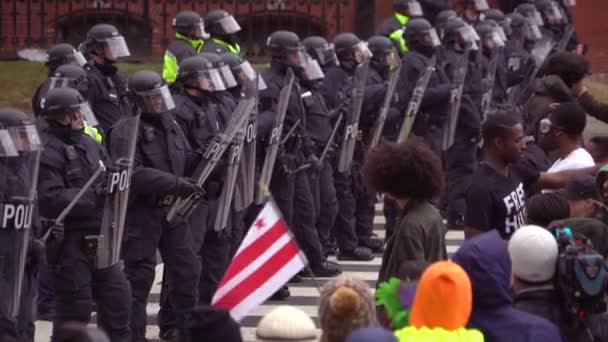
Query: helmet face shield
[296, 57]
[415, 9]
[84, 112]
[244, 72]
[469, 36]
[199, 31]
[312, 70]
[210, 80]
[431, 38]
[155, 101]
[115, 47]
[481, 5]
[532, 30]
[361, 52]
[326, 54]
[228, 25]
[76, 58]
[227, 77]
[19, 139]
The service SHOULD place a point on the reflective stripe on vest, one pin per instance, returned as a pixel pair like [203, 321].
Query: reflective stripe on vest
[169, 67]
[93, 132]
[397, 35]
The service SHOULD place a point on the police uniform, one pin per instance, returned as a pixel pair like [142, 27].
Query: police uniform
[291, 192]
[106, 94]
[219, 46]
[69, 160]
[162, 155]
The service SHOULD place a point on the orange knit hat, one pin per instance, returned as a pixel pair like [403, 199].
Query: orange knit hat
[443, 297]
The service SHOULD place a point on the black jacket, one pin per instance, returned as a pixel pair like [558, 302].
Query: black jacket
[106, 95]
[67, 163]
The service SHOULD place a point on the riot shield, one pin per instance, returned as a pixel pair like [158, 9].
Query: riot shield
[415, 101]
[19, 159]
[388, 98]
[542, 49]
[233, 161]
[122, 150]
[182, 207]
[565, 39]
[245, 186]
[458, 78]
[275, 137]
[488, 82]
[351, 128]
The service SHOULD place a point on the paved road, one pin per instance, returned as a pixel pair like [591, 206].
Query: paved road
[303, 295]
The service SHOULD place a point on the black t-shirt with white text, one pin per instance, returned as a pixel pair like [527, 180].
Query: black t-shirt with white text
[497, 202]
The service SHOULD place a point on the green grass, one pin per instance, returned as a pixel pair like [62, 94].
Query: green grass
[19, 80]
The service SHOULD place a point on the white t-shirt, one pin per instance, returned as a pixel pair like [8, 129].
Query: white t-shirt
[577, 159]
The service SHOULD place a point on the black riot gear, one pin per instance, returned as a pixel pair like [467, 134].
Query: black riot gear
[529, 12]
[71, 76]
[457, 30]
[321, 50]
[421, 36]
[499, 17]
[442, 18]
[63, 54]
[150, 93]
[190, 24]
[350, 48]
[490, 38]
[551, 12]
[285, 47]
[199, 73]
[104, 40]
[221, 23]
[411, 8]
[223, 68]
[60, 102]
[383, 51]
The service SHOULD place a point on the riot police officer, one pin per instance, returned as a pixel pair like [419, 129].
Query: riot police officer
[461, 159]
[104, 45]
[292, 192]
[322, 51]
[223, 28]
[492, 43]
[442, 19]
[337, 91]
[393, 27]
[70, 159]
[198, 117]
[163, 162]
[57, 55]
[189, 33]
[75, 77]
[556, 22]
[19, 226]
[242, 72]
[472, 9]
[221, 96]
[520, 63]
[423, 42]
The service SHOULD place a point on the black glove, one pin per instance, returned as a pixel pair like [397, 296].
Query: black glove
[315, 164]
[187, 186]
[36, 252]
[57, 232]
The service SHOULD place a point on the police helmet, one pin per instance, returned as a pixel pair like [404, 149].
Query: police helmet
[478, 5]
[285, 47]
[419, 32]
[199, 73]
[68, 75]
[17, 133]
[242, 70]
[383, 51]
[349, 47]
[442, 18]
[221, 23]
[222, 67]
[186, 22]
[63, 54]
[150, 93]
[60, 102]
[411, 7]
[487, 31]
[113, 43]
[458, 30]
[321, 50]
[550, 11]
[530, 12]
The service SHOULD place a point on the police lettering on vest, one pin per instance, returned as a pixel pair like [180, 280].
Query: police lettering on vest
[17, 216]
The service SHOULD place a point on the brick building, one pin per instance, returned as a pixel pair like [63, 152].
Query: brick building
[147, 23]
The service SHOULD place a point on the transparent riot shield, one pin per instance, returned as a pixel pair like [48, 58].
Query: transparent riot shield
[19, 158]
[122, 150]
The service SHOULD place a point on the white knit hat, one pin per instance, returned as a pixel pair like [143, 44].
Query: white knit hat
[533, 252]
[286, 323]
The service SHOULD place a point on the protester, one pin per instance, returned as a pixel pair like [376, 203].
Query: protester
[597, 147]
[583, 197]
[411, 175]
[346, 304]
[497, 197]
[562, 132]
[542, 209]
[602, 182]
[442, 306]
[286, 323]
[485, 258]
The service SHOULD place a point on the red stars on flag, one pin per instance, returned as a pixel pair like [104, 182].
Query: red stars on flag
[267, 258]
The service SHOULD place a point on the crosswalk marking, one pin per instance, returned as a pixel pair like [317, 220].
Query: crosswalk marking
[304, 295]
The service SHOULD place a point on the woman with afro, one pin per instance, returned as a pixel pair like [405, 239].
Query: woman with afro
[411, 175]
